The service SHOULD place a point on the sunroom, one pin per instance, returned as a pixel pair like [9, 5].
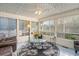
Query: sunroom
[41, 29]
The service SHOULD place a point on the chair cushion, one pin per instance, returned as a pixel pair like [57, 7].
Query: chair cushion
[76, 42]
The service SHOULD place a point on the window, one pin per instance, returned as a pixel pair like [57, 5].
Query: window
[69, 27]
[7, 27]
[3, 23]
[60, 28]
[47, 27]
[23, 27]
[72, 27]
[52, 27]
[12, 27]
[34, 26]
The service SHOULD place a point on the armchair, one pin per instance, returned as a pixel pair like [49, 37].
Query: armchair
[76, 46]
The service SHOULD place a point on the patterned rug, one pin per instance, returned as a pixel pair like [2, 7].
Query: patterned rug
[39, 49]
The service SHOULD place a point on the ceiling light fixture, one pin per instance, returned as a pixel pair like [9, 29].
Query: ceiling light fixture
[38, 12]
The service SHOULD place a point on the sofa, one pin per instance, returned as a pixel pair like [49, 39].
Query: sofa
[8, 45]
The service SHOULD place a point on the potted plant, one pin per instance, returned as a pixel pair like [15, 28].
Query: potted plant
[38, 35]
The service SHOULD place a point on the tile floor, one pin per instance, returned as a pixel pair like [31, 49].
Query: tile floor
[67, 51]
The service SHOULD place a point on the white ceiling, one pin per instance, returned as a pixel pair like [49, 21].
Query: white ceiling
[28, 9]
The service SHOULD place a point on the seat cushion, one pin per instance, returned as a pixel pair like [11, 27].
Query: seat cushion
[76, 42]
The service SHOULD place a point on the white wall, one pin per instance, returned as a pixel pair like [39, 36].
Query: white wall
[65, 42]
[61, 41]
